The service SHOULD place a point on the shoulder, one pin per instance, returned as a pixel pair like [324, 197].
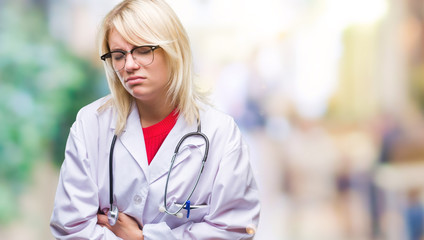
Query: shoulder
[213, 117]
[93, 121]
[95, 109]
[219, 124]
[95, 106]
[98, 113]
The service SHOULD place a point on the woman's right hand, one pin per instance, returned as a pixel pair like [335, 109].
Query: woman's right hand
[125, 227]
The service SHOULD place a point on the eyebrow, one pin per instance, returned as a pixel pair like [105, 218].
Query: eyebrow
[121, 49]
[117, 49]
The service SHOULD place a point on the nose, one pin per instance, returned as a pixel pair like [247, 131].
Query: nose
[130, 64]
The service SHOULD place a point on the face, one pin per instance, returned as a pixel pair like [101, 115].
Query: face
[147, 84]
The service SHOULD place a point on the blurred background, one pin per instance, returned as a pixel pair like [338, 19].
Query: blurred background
[329, 95]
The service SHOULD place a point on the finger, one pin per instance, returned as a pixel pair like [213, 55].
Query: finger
[122, 217]
[106, 226]
[102, 219]
[127, 219]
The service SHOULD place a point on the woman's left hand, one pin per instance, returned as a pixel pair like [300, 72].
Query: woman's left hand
[125, 227]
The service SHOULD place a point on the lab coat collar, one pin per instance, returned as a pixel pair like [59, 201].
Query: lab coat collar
[133, 140]
[160, 164]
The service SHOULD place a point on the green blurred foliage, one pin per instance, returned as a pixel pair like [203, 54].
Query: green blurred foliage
[42, 86]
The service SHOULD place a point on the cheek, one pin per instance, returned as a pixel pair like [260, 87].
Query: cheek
[162, 71]
[163, 75]
[121, 80]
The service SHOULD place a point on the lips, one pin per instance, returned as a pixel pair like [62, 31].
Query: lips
[135, 79]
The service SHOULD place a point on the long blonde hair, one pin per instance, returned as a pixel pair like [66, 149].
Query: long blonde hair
[156, 23]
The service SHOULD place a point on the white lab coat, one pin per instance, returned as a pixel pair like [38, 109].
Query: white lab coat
[227, 190]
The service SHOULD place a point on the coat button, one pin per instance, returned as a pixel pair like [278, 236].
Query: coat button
[137, 199]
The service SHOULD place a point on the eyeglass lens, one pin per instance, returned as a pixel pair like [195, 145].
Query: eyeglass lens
[142, 56]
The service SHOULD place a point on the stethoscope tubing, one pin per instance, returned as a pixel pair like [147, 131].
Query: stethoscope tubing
[198, 133]
[112, 147]
[113, 211]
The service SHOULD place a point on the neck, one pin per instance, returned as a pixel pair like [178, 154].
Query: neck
[152, 113]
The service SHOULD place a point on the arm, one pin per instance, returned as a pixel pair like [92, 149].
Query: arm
[77, 201]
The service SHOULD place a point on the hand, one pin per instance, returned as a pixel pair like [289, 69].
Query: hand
[125, 227]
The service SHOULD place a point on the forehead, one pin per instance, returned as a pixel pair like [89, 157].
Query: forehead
[116, 40]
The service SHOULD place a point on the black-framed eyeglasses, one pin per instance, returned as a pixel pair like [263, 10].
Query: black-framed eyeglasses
[142, 56]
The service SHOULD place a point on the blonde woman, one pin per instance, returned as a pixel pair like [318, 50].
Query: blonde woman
[153, 160]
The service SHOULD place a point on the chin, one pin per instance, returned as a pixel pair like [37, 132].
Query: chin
[138, 91]
[141, 96]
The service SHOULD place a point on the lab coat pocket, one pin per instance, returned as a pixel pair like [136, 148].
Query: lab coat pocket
[196, 215]
[195, 212]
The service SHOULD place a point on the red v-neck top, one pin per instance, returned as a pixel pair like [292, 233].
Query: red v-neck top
[156, 134]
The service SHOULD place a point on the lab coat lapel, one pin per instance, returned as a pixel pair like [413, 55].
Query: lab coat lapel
[162, 160]
[133, 140]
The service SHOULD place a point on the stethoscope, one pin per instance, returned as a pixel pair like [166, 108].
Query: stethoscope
[113, 211]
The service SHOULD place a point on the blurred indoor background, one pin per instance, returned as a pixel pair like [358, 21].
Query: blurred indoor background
[328, 93]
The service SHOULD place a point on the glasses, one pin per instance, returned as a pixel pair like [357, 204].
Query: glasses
[142, 56]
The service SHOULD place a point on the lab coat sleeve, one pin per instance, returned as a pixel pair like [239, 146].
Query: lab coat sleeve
[234, 202]
[76, 203]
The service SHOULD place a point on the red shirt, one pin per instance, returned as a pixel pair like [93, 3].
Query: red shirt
[156, 134]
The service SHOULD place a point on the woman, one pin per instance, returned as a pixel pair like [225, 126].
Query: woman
[152, 105]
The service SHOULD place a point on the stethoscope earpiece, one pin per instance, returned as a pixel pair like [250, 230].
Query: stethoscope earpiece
[178, 215]
[161, 209]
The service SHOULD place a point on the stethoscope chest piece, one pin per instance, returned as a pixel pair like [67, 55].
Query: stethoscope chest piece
[113, 215]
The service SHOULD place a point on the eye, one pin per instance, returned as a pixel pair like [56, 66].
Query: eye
[142, 51]
[117, 56]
